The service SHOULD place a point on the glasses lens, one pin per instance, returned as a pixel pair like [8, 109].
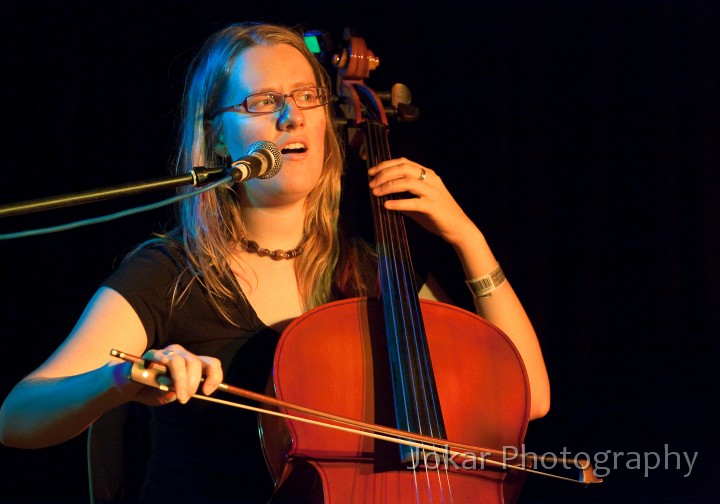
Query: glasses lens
[310, 97]
[264, 103]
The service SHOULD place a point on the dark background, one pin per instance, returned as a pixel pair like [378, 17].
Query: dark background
[582, 136]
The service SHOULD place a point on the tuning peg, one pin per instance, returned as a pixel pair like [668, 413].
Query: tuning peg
[399, 93]
[406, 113]
[400, 97]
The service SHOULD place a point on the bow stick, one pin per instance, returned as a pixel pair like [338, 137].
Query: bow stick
[149, 373]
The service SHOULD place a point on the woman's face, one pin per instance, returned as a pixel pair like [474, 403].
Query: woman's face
[299, 134]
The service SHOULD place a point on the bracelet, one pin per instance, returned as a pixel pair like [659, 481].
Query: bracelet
[484, 286]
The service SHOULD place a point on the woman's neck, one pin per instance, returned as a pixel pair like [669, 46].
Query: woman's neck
[275, 228]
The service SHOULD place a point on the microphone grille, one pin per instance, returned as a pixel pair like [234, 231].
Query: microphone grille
[271, 151]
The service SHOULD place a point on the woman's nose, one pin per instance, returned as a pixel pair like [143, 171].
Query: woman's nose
[291, 116]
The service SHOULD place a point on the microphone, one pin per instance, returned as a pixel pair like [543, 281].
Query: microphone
[262, 160]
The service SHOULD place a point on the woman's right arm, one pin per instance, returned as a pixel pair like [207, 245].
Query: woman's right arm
[80, 381]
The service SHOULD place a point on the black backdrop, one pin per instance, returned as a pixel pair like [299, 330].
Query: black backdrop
[580, 135]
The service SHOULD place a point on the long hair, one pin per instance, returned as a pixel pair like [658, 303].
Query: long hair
[210, 224]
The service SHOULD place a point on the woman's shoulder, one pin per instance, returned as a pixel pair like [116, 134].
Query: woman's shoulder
[156, 261]
[160, 250]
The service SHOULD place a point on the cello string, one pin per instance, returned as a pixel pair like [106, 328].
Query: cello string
[390, 264]
[403, 334]
[389, 248]
[386, 252]
[415, 352]
[420, 357]
[425, 398]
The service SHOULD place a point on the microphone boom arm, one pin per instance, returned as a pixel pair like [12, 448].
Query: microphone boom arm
[195, 177]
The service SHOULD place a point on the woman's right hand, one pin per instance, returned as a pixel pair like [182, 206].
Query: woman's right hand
[186, 372]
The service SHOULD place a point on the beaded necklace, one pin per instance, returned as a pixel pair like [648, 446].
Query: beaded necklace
[278, 255]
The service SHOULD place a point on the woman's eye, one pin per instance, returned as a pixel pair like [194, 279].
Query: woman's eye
[259, 103]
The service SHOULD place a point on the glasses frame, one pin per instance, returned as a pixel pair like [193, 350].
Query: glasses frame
[242, 106]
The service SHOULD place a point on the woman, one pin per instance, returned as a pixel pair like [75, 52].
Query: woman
[204, 302]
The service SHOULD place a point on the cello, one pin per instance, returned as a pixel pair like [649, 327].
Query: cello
[392, 361]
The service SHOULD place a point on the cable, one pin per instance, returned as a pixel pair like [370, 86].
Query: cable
[117, 215]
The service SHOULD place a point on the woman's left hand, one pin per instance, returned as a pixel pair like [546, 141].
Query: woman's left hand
[433, 207]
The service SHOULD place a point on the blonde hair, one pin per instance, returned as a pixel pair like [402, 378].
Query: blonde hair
[210, 224]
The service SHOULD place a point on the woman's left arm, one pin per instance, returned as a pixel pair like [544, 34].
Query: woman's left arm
[434, 208]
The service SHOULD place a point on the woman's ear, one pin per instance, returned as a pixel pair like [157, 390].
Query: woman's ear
[218, 138]
[220, 148]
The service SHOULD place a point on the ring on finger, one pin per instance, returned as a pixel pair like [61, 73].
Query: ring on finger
[422, 175]
[168, 353]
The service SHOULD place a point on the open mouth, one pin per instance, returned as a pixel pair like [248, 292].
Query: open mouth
[294, 148]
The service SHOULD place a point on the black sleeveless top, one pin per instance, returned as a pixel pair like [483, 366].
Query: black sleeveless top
[199, 452]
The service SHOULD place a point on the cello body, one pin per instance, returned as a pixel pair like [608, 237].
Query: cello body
[418, 366]
[334, 359]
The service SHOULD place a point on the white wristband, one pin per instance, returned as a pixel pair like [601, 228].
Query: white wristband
[484, 286]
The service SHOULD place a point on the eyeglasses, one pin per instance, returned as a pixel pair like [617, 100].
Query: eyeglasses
[267, 103]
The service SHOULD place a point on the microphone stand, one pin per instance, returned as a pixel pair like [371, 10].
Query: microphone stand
[197, 175]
